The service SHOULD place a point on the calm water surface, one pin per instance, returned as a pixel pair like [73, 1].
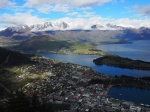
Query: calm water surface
[130, 94]
[136, 50]
[87, 60]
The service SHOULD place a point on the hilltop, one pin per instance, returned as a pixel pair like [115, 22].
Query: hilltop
[11, 58]
[52, 81]
[53, 45]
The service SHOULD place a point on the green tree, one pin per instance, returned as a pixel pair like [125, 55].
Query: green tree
[18, 102]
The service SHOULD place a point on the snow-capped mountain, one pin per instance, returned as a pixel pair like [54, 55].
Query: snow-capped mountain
[55, 25]
[62, 29]
[49, 26]
[61, 25]
[23, 28]
[107, 27]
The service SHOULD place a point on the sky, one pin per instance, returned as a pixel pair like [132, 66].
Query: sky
[127, 13]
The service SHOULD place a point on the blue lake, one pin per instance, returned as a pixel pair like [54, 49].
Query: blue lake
[136, 50]
[130, 94]
[87, 60]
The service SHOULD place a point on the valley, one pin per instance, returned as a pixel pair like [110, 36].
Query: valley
[60, 83]
[53, 80]
[74, 56]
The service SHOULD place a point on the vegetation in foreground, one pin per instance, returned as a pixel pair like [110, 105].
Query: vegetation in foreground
[27, 77]
[20, 102]
[122, 62]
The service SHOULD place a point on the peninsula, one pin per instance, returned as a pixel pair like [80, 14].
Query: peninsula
[49, 44]
[122, 62]
[57, 84]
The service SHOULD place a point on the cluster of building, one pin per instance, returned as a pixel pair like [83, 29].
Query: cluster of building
[66, 83]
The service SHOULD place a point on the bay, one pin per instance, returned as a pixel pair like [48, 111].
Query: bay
[136, 50]
[136, 95]
[130, 94]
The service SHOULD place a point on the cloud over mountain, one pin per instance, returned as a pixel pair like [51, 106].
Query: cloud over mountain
[78, 13]
[20, 19]
[74, 23]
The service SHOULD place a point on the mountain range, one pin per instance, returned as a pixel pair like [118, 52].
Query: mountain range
[61, 25]
[66, 31]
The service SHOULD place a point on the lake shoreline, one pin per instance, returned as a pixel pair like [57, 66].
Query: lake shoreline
[137, 95]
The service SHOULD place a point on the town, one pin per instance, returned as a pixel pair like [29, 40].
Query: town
[66, 83]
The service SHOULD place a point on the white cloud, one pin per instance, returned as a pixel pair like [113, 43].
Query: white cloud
[78, 3]
[61, 8]
[2, 28]
[85, 8]
[77, 23]
[143, 10]
[57, 8]
[46, 6]
[72, 14]
[6, 3]
[20, 19]
[45, 9]
[126, 22]
[86, 15]
[74, 23]
[86, 23]
[73, 3]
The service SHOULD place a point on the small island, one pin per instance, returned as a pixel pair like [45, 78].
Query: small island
[122, 62]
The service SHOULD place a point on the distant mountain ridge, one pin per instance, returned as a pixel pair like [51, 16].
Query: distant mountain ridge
[40, 27]
[54, 26]
[66, 31]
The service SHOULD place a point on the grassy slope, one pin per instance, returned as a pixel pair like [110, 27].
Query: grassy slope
[10, 67]
[42, 43]
[49, 44]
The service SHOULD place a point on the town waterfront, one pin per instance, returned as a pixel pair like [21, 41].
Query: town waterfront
[136, 50]
[87, 60]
